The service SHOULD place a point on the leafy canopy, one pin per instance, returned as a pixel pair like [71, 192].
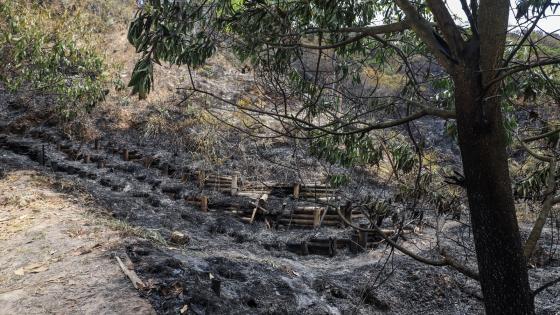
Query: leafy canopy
[41, 54]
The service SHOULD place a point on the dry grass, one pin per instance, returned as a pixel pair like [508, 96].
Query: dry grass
[125, 229]
[384, 79]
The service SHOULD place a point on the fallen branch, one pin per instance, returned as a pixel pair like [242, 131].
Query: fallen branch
[541, 136]
[536, 231]
[546, 286]
[136, 281]
[549, 200]
[533, 153]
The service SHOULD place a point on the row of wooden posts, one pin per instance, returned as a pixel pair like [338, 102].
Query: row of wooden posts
[310, 216]
[219, 182]
[303, 215]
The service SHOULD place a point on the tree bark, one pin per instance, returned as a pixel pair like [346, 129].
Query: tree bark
[501, 263]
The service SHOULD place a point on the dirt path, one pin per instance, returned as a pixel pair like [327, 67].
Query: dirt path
[54, 257]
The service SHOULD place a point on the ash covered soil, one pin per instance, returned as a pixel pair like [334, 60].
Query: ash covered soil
[229, 267]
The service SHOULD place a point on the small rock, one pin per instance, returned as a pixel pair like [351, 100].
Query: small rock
[179, 238]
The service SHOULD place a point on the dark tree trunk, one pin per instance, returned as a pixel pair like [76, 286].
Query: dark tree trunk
[501, 263]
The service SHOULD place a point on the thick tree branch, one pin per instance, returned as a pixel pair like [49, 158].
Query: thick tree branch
[331, 46]
[470, 17]
[536, 231]
[514, 70]
[307, 125]
[425, 31]
[447, 26]
[369, 30]
[360, 33]
[533, 153]
[546, 286]
[541, 136]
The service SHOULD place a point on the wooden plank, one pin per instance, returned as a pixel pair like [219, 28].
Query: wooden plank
[218, 186]
[306, 216]
[310, 208]
[218, 182]
[310, 216]
[305, 222]
[263, 198]
[218, 178]
[254, 194]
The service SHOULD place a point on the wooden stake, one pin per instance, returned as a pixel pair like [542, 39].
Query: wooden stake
[200, 178]
[87, 159]
[362, 239]
[234, 185]
[304, 248]
[332, 247]
[204, 204]
[317, 218]
[263, 198]
[125, 154]
[296, 190]
[96, 144]
[148, 162]
[43, 155]
[348, 211]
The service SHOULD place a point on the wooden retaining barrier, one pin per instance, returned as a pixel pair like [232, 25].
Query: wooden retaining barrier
[313, 217]
[242, 201]
[233, 185]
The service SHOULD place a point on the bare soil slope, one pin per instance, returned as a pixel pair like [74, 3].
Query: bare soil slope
[55, 258]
